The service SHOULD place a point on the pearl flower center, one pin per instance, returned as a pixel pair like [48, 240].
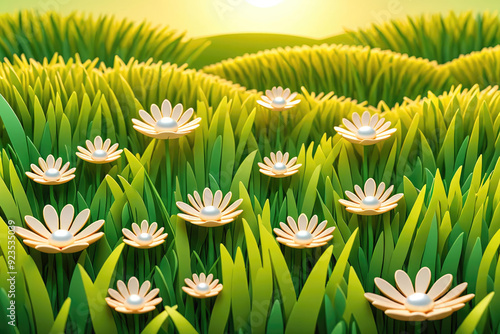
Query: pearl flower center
[279, 168]
[370, 202]
[99, 155]
[166, 124]
[210, 213]
[419, 302]
[366, 132]
[61, 238]
[134, 302]
[203, 288]
[279, 102]
[144, 238]
[303, 237]
[52, 174]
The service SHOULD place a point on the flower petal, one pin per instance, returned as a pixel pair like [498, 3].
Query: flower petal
[389, 291]
[404, 283]
[48, 249]
[386, 195]
[144, 288]
[319, 229]
[365, 118]
[440, 287]
[51, 218]
[370, 187]
[106, 145]
[90, 146]
[136, 229]
[113, 303]
[359, 192]
[392, 200]
[453, 293]
[122, 288]
[166, 108]
[58, 163]
[28, 235]
[177, 112]
[127, 233]
[348, 124]
[50, 161]
[79, 221]
[208, 198]
[292, 224]
[423, 280]
[383, 303]
[36, 169]
[302, 222]
[217, 198]
[92, 238]
[356, 120]
[383, 127]
[286, 229]
[326, 232]
[77, 247]
[144, 226]
[152, 228]
[312, 224]
[187, 209]
[405, 315]
[91, 229]
[98, 143]
[157, 114]
[459, 300]
[43, 164]
[190, 283]
[186, 116]
[438, 314]
[380, 190]
[35, 225]
[225, 201]
[282, 233]
[116, 295]
[66, 217]
[353, 197]
[232, 207]
[373, 120]
[133, 285]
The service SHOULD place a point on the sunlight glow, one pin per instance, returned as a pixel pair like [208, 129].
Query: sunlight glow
[264, 3]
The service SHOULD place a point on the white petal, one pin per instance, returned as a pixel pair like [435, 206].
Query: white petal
[51, 218]
[79, 221]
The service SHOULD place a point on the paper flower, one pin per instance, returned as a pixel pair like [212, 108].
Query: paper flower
[279, 166]
[99, 153]
[166, 124]
[213, 211]
[133, 299]
[418, 304]
[373, 201]
[202, 287]
[365, 130]
[305, 235]
[50, 171]
[278, 99]
[144, 237]
[62, 235]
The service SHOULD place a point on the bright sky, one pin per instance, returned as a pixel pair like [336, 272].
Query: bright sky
[311, 18]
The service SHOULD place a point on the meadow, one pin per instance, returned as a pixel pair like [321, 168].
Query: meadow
[65, 80]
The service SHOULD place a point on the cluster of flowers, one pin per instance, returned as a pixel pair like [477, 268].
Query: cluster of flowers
[214, 209]
[406, 303]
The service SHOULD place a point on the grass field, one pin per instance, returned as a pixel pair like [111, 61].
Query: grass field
[59, 88]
